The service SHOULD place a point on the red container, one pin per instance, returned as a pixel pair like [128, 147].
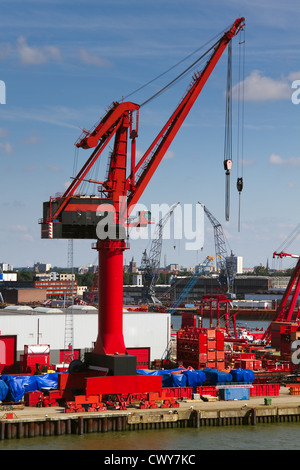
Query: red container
[178, 392]
[202, 337]
[211, 355]
[245, 364]
[220, 355]
[259, 390]
[211, 344]
[211, 333]
[220, 345]
[213, 391]
[220, 365]
[211, 364]
[257, 365]
[219, 335]
[32, 398]
[202, 357]
[202, 348]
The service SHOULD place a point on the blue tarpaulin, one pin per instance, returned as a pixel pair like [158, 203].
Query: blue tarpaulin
[19, 385]
[244, 376]
[215, 377]
[3, 390]
[186, 377]
[195, 378]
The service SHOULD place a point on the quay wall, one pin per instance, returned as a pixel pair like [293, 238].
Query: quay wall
[13, 427]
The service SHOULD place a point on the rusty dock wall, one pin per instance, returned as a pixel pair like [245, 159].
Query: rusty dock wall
[58, 423]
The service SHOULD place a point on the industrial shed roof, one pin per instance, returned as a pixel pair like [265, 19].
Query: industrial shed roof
[17, 307]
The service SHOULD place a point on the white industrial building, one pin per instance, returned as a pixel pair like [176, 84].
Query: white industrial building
[43, 325]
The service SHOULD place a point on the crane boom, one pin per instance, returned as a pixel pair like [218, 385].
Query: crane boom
[153, 156]
[219, 238]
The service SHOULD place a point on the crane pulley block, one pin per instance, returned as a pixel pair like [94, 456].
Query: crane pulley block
[227, 166]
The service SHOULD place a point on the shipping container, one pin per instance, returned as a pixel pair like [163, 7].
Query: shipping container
[237, 393]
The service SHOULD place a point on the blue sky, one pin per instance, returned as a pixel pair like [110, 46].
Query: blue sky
[64, 63]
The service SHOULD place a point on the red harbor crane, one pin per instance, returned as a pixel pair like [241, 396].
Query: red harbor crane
[104, 218]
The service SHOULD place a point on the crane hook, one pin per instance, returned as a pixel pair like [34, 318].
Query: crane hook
[239, 185]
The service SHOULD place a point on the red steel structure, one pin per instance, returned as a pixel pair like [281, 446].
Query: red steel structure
[120, 192]
[289, 298]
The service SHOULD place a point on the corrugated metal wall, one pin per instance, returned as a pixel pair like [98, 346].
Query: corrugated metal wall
[140, 330]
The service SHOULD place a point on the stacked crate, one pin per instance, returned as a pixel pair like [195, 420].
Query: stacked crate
[215, 349]
[246, 361]
[200, 348]
[279, 328]
[286, 341]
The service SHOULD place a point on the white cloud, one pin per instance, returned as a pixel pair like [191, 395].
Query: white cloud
[21, 231]
[246, 162]
[92, 59]
[53, 168]
[56, 115]
[33, 139]
[275, 159]
[169, 154]
[3, 133]
[7, 148]
[260, 88]
[5, 50]
[17, 228]
[278, 160]
[32, 55]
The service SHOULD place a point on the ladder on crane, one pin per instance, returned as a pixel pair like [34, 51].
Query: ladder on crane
[68, 355]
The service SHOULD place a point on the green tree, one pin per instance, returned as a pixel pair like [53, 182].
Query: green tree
[24, 276]
[260, 271]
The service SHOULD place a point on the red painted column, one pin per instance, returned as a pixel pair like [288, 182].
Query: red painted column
[110, 307]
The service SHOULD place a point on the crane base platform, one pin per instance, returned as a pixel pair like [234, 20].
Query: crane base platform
[116, 365]
[123, 385]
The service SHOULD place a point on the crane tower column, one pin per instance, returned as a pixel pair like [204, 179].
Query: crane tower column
[110, 329]
[110, 351]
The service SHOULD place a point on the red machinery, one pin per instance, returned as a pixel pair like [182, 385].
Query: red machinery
[104, 218]
[289, 299]
[35, 355]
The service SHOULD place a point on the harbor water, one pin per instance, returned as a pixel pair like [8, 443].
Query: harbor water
[261, 437]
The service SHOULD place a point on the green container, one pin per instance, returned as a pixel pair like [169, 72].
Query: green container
[268, 401]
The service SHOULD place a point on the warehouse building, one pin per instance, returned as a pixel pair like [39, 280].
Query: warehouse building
[146, 335]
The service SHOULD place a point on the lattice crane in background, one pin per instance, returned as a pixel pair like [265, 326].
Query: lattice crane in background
[223, 260]
[104, 217]
[150, 264]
